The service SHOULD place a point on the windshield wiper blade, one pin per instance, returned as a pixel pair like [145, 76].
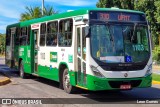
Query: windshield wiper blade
[133, 35]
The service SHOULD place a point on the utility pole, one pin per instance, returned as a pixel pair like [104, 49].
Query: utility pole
[42, 7]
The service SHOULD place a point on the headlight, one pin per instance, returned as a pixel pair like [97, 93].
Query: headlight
[96, 71]
[149, 70]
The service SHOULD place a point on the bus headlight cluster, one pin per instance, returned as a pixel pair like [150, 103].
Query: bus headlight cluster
[149, 70]
[96, 71]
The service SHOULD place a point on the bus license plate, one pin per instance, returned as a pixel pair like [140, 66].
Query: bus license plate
[125, 87]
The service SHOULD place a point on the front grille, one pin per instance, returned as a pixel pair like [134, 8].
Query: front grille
[123, 68]
[117, 84]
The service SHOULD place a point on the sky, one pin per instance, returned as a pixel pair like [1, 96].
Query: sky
[10, 10]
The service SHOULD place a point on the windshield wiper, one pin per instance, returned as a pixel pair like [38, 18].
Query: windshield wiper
[110, 34]
[133, 35]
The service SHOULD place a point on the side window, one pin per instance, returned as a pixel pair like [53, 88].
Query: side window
[18, 33]
[28, 37]
[52, 31]
[65, 32]
[23, 36]
[8, 37]
[42, 34]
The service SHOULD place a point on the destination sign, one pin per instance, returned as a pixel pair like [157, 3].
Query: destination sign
[116, 16]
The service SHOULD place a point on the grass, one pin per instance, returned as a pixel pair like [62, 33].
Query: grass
[156, 77]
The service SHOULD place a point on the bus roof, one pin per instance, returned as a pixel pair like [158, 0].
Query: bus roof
[69, 14]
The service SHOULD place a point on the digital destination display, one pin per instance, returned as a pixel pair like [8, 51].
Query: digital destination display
[116, 16]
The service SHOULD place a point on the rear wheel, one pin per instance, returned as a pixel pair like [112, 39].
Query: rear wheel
[21, 71]
[66, 82]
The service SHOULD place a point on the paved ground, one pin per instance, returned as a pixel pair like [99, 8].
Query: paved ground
[43, 88]
[3, 79]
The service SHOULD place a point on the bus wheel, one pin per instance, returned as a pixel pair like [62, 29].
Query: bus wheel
[21, 71]
[66, 82]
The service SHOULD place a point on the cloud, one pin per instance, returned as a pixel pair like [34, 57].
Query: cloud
[73, 2]
[10, 9]
[3, 25]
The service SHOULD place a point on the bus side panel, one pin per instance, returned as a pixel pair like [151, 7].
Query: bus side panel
[16, 57]
[8, 56]
[46, 68]
[73, 78]
[24, 53]
[48, 72]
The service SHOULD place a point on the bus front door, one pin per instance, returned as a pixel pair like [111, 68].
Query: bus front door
[81, 55]
[35, 51]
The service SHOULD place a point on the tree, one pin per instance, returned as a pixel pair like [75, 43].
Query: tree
[150, 7]
[49, 11]
[31, 13]
[35, 12]
[123, 4]
[2, 43]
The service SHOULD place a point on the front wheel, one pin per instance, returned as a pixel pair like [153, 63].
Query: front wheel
[66, 82]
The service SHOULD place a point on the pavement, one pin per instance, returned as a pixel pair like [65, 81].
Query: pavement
[4, 79]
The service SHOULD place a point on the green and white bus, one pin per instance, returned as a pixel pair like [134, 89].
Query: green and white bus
[93, 49]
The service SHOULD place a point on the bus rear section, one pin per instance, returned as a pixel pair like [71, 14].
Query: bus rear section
[11, 47]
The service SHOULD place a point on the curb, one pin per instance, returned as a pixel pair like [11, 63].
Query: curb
[4, 81]
[156, 67]
[155, 82]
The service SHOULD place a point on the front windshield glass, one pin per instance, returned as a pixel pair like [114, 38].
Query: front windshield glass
[114, 43]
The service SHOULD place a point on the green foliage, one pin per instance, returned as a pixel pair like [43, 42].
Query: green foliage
[2, 44]
[149, 7]
[123, 4]
[49, 11]
[156, 54]
[35, 12]
[156, 77]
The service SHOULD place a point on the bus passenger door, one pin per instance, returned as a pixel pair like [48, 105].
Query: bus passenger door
[35, 33]
[81, 55]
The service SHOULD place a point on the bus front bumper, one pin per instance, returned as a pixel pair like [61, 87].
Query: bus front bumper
[95, 83]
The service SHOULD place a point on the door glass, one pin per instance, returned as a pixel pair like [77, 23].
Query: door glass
[78, 42]
[84, 73]
[35, 51]
[84, 55]
[83, 44]
[35, 39]
[79, 53]
[79, 69]
[12, 46]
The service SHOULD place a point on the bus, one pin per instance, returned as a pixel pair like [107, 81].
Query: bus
[92, 49]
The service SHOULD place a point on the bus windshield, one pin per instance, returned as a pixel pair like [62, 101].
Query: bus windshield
[119, 42]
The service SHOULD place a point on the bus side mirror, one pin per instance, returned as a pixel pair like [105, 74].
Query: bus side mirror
[151, 38]
[87, 31]
[152, 44]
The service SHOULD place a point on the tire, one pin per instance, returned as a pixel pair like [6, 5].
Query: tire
[66, 82]
[21, 71]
